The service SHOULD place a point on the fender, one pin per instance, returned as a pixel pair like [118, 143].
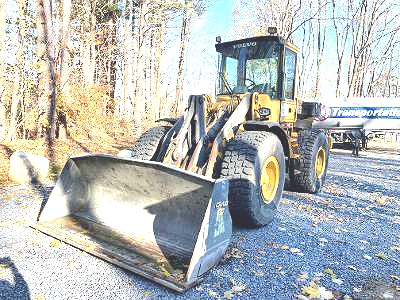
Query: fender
[275, 128]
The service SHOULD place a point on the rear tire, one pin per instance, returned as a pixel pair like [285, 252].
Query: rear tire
[314, 156]
[148, 145]
[254, 163]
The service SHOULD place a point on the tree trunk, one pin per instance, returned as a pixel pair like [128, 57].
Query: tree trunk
[321, 33]
[2, 70]
[45, 53]
[181, 59]
[87, 46]
[128, 60]
[140, 74]
[64, 53]
[17, 90]
[157, 73]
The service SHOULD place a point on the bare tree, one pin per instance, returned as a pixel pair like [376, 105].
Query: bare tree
[18, 82]
[64, 51]
[321, 35]
[373, 24]
[342, 25]
[3, 25]
[181, 60]
[46, 56]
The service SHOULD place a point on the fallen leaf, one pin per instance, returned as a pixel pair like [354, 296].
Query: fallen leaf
[352, 268]
[55, 243]
[236, 253]
[238, 288]
[395, 277]
[285, 247]
[329, 271]
[337, 281]
[295, 250]
[147, 293]
[302, 276]
[325, 294]
[73, 265]
[301, 297]
[395, 248]
[367, 257]
[212, 293]
[381, 201]
[382, 255]
[164, 270]
[39, 297]
[311, 291]
[228, 295]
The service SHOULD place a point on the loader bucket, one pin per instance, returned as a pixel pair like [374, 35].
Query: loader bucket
[161, 222]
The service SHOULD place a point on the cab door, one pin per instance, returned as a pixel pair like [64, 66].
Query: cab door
[288, 104]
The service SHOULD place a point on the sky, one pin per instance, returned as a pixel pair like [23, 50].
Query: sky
[201, 67]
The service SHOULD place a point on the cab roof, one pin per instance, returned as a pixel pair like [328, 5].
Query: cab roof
[221, 46]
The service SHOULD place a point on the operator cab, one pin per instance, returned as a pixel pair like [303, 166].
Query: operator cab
[265, 64]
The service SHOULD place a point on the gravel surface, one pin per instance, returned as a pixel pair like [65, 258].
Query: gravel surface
[343, 242]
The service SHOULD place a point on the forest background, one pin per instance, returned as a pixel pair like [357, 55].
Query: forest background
[92, 75]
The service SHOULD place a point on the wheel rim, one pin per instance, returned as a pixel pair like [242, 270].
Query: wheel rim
[320, 163]
[269, 179]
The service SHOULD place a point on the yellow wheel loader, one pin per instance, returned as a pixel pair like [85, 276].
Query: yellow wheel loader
[165, 210]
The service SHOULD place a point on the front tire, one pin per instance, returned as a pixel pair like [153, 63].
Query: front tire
[254, 163]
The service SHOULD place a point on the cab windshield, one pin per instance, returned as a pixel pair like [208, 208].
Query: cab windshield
[249, 67]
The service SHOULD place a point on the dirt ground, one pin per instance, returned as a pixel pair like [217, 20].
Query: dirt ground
[59, 151]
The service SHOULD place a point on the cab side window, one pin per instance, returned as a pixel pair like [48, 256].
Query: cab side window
[290, 72]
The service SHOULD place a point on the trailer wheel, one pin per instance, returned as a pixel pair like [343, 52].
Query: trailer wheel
[148, 145]
[314, 156]
[254, 163]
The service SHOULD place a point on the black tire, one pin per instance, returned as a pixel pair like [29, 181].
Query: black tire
[148, 145]
[307, 178]
[244, 158]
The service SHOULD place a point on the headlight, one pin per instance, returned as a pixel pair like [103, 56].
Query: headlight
[264, 112]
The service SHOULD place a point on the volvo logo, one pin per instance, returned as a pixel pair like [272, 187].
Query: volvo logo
[244, 45]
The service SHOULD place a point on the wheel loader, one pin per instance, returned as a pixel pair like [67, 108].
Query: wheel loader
[165, 209]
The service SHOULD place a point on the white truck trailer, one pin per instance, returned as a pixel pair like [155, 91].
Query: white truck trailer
[354, 120]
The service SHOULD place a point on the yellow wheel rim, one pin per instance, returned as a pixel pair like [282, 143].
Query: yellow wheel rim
[320, 163]
[269, 179]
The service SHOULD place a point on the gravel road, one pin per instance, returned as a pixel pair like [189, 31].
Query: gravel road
[343, 242]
